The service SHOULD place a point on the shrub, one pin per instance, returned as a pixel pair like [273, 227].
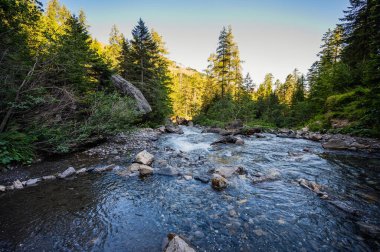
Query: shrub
[16, 147]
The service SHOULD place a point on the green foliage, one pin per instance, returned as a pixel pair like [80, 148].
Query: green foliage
[55, 92]
[117, 113]
[107, 114]
[16, 147]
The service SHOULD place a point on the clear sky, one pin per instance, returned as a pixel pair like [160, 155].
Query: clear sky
[273, 36]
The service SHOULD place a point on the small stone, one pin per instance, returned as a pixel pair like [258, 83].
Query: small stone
[104, 168]
[17, 184]
[144, 157]
[32, 182]
[133, 167]
[239, 141]
[145, 170]
[81, 171]
[187, 177]
[240, 202]
[68, 172]
[168, 171]
[203, 179]
[49, 177]
[2, 188]
[259, 232]
[10, 187]
[233, 213]
[199, 234]
[218, 182]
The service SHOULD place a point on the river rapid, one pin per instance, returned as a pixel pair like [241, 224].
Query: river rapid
[109, 212]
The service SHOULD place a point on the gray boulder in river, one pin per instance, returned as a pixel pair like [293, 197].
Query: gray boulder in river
[126, 88]
[177, 244]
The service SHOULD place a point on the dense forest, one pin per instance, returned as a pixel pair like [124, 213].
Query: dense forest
[56, 93]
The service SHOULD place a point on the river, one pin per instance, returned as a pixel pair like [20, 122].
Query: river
[108, 212]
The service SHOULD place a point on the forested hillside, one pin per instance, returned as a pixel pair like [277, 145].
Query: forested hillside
[56, 89]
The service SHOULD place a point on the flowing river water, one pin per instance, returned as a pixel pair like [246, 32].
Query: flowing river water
[109, 212]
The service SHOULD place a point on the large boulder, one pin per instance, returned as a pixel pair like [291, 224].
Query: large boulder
[144, 157]
[126, 88]
[177, 244]
[173, 129]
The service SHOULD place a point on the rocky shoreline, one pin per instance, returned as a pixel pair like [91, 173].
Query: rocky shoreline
[328, 141]
[120, 148]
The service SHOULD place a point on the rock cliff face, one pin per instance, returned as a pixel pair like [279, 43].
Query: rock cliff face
[127, 88]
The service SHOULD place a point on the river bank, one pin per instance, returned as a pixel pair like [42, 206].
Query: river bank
[120, 148]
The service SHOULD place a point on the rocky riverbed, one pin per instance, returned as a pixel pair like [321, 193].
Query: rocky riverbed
[245, 192]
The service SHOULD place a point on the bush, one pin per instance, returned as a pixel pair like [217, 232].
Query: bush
[16, 147]
[116, 113]
[104, 114]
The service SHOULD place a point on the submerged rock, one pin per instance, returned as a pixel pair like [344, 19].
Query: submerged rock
[312, 186]
[372, 231]
[104, 168]
[203, 179]
[68, 172]
[218, 182]
[345, 207]
[177, 244]
[271, 175]
[228, 172]
[168, 171]
[144, 157]
[229, 139]
[213, 130]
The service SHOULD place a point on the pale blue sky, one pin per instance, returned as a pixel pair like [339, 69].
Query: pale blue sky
[273, 35]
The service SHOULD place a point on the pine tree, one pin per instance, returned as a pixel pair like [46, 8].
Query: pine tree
[147, 68]
[75, 63]
[114, 49]
[248, 84]
[226, 65]
[144, 53]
